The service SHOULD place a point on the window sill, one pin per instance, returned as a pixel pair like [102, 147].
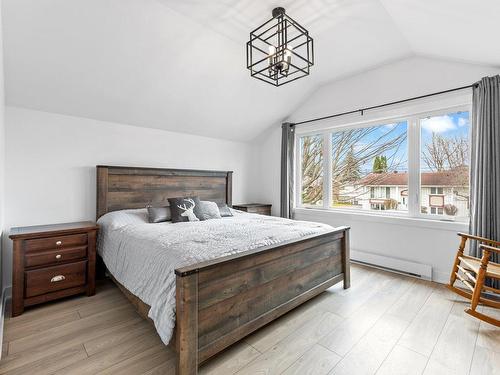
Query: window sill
[384, 218]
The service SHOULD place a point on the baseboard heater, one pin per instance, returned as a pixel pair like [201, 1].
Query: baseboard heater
[405, 267]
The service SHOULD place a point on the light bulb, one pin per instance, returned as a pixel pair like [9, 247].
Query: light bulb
[288, 55]
[271, 60]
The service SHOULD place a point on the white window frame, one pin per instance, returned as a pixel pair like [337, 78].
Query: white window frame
[412, 113]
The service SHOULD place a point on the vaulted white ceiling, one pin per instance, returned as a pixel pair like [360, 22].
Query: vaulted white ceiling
[180, 64]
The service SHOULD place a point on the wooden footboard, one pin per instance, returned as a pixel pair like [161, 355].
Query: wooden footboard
[221, 301]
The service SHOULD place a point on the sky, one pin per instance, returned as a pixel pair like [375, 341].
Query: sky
[451, 125]
[396, 158]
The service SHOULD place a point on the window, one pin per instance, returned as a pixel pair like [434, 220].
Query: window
[444, 165]
[368, 166]
[436, 210]
[436, 190]
[416, 165]
[311, 148]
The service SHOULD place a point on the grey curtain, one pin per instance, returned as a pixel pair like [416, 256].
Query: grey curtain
[287, 173]
[485, 162]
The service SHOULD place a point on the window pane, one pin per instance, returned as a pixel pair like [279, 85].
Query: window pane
[312, 170]
[370, 168]
[444, 164]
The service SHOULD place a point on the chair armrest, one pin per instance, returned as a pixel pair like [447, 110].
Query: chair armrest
[489, 248]
[480, 239]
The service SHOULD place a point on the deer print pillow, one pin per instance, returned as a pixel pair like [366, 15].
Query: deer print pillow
[182, 209]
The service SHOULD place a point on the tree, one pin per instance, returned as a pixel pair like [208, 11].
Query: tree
[312, 169]
[380, 164]
[450, 209]
[383, 163]
[376, 164]
[351, 170]
[446, 153]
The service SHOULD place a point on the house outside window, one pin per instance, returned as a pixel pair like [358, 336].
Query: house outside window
[367, 167]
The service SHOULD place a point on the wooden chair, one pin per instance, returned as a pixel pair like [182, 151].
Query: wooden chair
[473, 272]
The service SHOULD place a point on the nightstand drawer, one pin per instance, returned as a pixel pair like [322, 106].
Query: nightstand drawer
[254, 208]
[52, 257]
[56, 242]
[51, 279]
[260, 210]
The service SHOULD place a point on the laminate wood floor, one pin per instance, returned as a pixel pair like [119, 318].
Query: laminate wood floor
[384, 324]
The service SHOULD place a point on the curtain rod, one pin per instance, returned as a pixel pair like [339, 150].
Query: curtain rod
[362, 110]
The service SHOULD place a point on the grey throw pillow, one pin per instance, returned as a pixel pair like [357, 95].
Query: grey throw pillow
[159, 214]
[225, 211]
[206, 210]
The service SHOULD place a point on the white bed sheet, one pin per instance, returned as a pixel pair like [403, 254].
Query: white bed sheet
[143, 256]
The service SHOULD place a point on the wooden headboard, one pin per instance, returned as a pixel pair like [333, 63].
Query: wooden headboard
[119, 188]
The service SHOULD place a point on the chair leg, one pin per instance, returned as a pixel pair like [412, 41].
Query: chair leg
[460, 252]
[481, 275]
[476, 295]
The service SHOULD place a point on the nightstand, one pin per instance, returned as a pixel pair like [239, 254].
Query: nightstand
[51, 262]
[254, 208]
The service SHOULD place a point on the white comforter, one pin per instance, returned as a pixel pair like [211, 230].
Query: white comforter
[143, 256]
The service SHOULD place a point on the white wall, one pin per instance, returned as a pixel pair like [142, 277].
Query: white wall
[2, 172]
[51, 159]
[403, 79]
[2, 132]
[266, 168]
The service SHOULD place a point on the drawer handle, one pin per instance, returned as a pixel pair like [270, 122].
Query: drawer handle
[58, 256]
[59, 243]
[57, 278]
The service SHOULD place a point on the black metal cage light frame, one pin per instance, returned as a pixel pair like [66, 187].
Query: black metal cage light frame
[280, 51]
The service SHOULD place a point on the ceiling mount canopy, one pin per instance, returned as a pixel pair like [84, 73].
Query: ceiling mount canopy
[280, 50]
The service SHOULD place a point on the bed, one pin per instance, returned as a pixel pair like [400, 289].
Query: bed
[232, 275]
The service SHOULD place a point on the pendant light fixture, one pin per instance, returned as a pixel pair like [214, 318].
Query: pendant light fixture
[280, 50]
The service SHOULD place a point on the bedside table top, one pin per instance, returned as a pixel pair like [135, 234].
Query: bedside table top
[51, 229]
[249, 205]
